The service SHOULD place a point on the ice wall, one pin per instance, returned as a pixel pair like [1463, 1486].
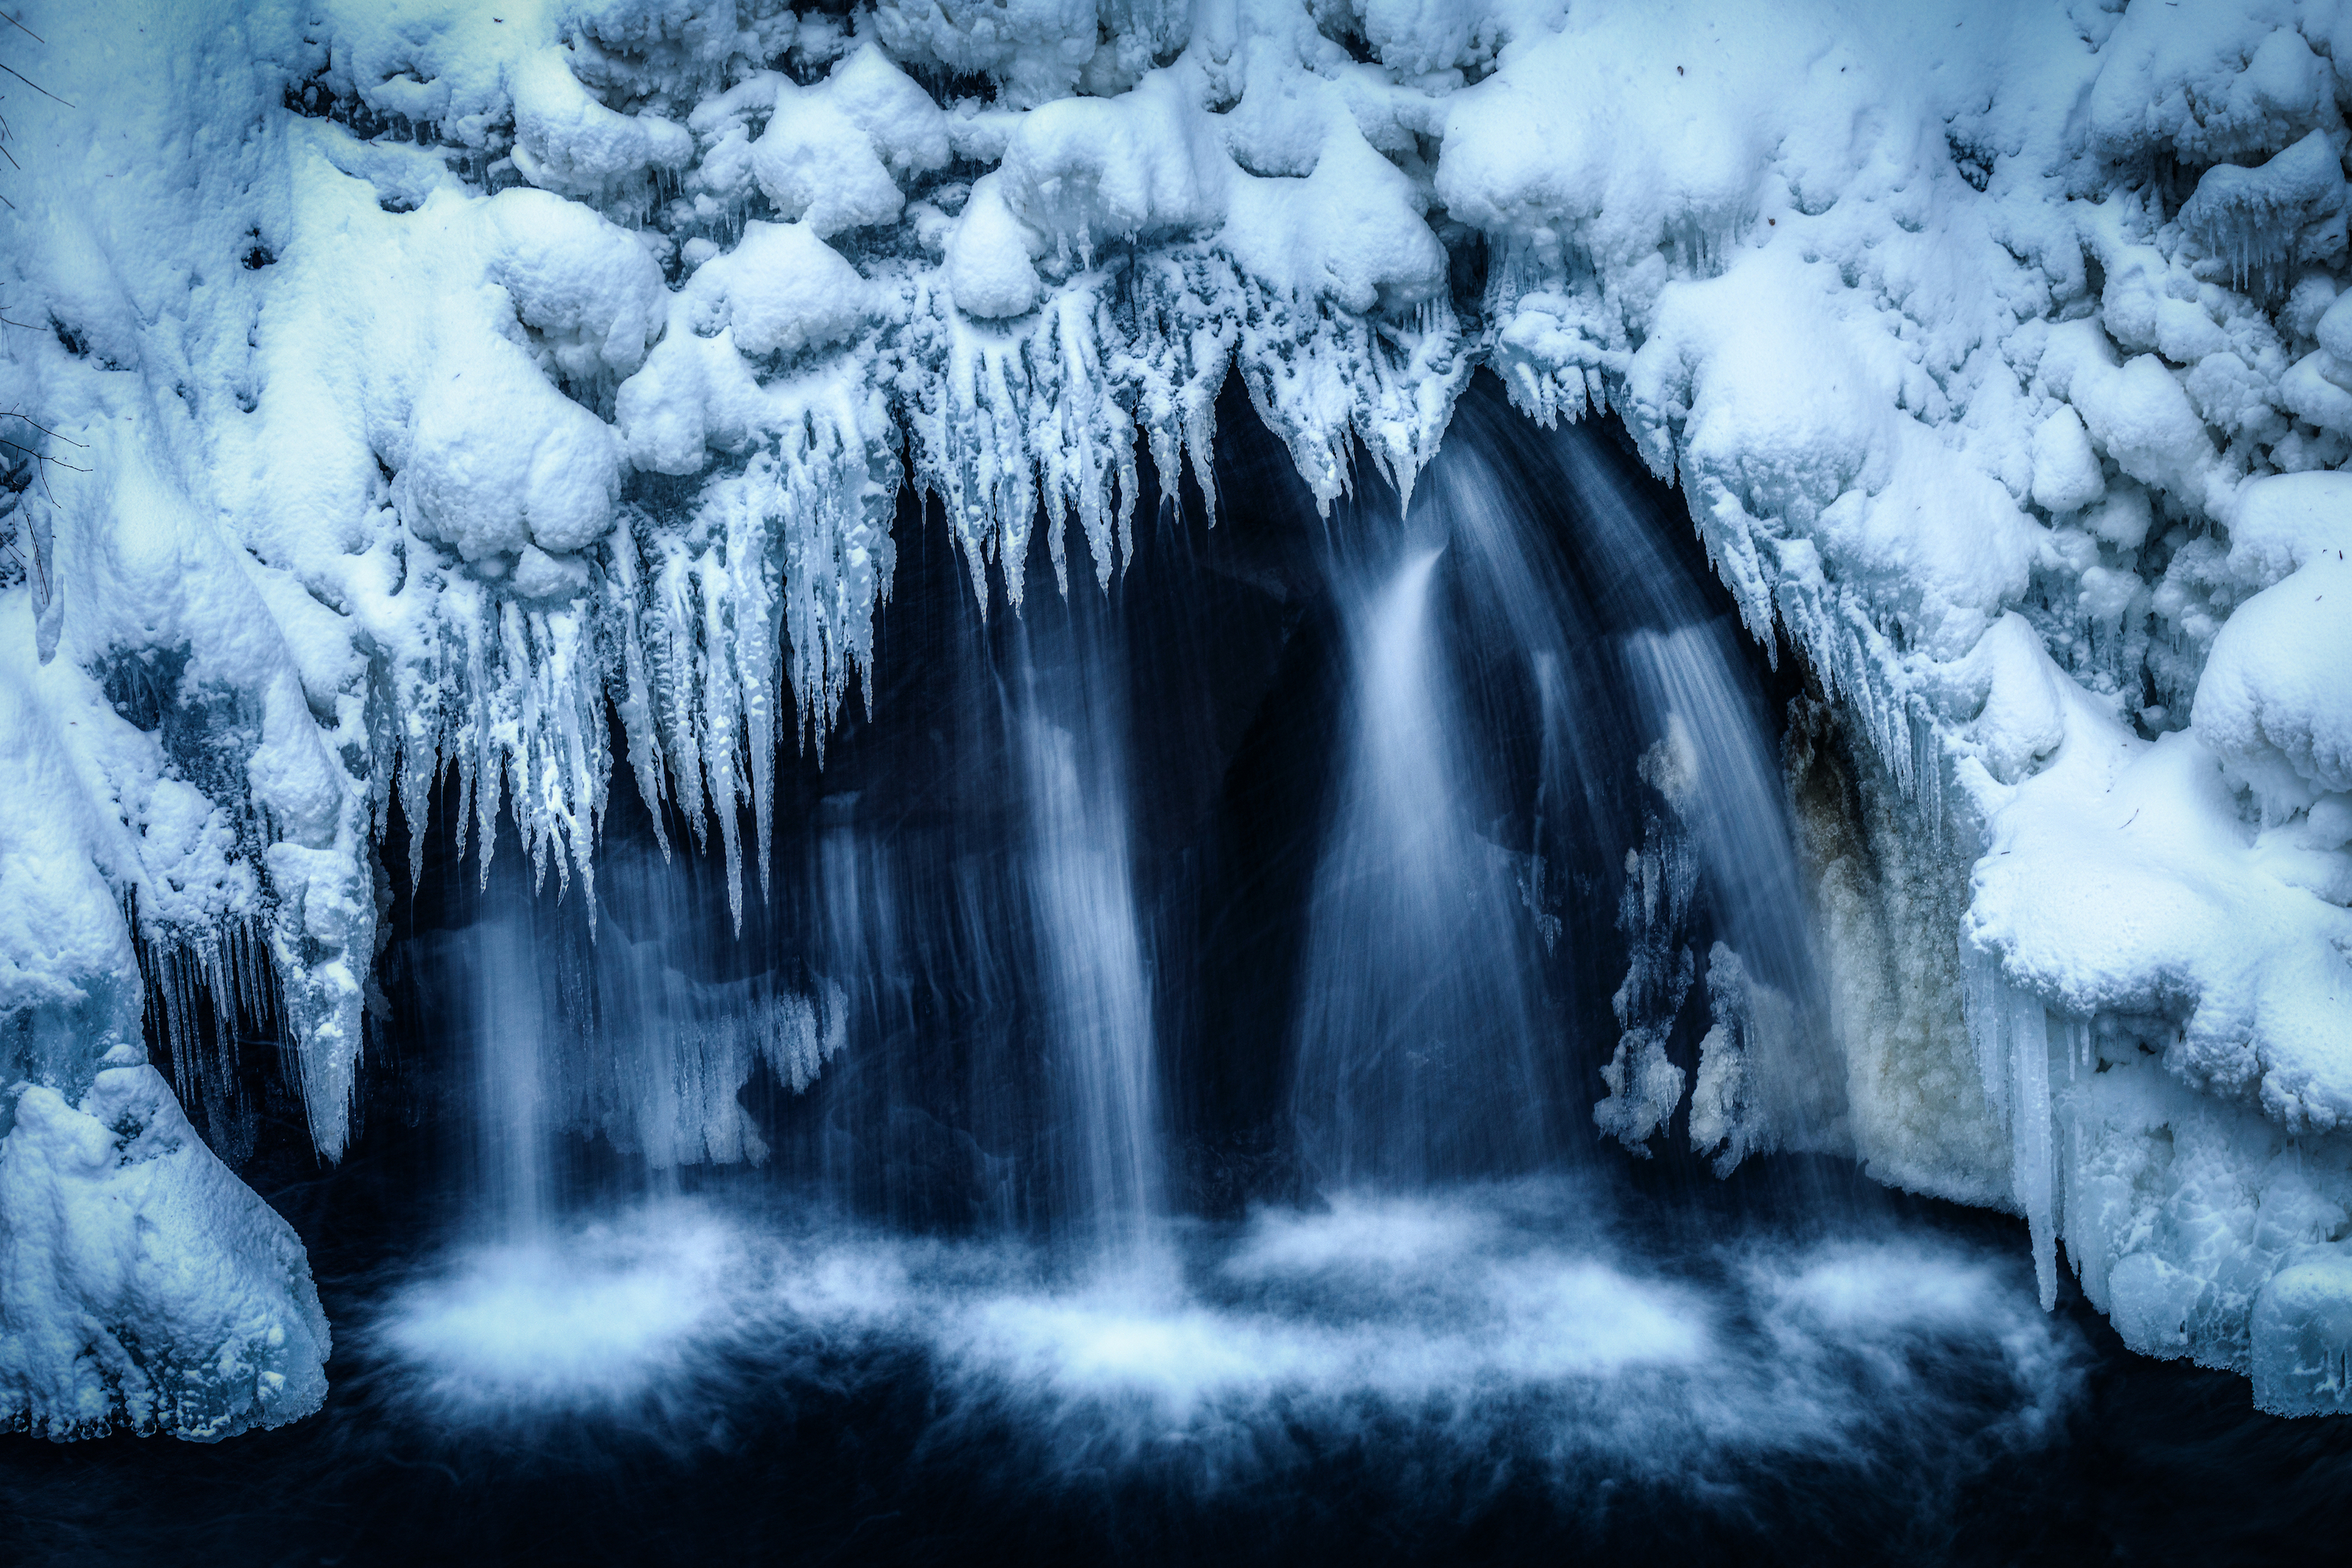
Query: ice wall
[442, 372]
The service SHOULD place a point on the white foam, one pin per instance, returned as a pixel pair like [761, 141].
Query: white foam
[1489, 1319]
[593, 1316]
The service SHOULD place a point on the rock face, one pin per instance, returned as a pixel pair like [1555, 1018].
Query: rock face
[440, 378]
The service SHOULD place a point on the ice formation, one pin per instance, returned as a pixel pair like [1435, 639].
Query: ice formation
[403, 383]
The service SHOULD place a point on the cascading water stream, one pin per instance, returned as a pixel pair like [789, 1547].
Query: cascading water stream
[1766, 1078]
[1683, 668]
[1425, 1029]
[1096, 1003]
[1500, 672]
[1172, 1038]
[1162, 1074]
[513, 1130]
[1420, 1010]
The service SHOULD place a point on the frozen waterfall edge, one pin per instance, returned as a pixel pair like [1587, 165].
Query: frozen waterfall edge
[2059, 449]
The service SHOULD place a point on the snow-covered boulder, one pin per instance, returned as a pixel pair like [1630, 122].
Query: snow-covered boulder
[141, 1285]
[2275, 702]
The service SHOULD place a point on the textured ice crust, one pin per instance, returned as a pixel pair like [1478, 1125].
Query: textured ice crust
[442, 373]
[141, 1285]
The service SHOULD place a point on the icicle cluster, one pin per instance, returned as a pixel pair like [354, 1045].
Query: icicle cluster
[1654, 911]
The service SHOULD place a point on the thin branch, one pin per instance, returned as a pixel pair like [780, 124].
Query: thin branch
[28, 81]
[39, 456]
[12, 414]
[41, 461]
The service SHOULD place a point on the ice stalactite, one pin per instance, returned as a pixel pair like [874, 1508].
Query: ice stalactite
[1645, 1086]
[206, 999]
[2011, 1031]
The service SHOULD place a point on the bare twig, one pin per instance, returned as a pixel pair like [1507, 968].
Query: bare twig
[28, 81]
[43, 457]
[12, 414]
[41, 461]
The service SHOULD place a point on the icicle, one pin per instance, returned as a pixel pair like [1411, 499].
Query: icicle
[2033, 1154]
[2009, 1031]
[635, 701]
[1644, 1086]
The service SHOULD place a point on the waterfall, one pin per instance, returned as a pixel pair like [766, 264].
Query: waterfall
[1769, 1075]
[1175, 1025]
[971, 880]
[1096, 1001]
[514, 1132]
[638, 1037]
[1420, 1026]
[1536, 623]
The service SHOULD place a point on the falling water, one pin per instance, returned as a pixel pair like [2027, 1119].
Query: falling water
[975, 898]
[513, 1130]
[639, 1035]
[1537, 615]
[1420, 1009]
[1773, 1080]
[1126, 920]
[1097, 988]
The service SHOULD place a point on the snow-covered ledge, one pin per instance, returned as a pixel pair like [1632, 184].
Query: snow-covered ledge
[444, 372]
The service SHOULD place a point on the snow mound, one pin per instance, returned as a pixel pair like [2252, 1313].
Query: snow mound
[143, 1285]
[2274, 703]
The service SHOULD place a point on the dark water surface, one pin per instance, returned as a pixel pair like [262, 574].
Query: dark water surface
[1530, 1373]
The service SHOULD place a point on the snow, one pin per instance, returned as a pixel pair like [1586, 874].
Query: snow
[2066, 473]
[2265, 220]
[780, 290]
[832, 155]
[2286, 520]
[2273, 703]
[500, 461]
[565, 140]
[2002, 355]
[142, 1284]
[989, 272]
